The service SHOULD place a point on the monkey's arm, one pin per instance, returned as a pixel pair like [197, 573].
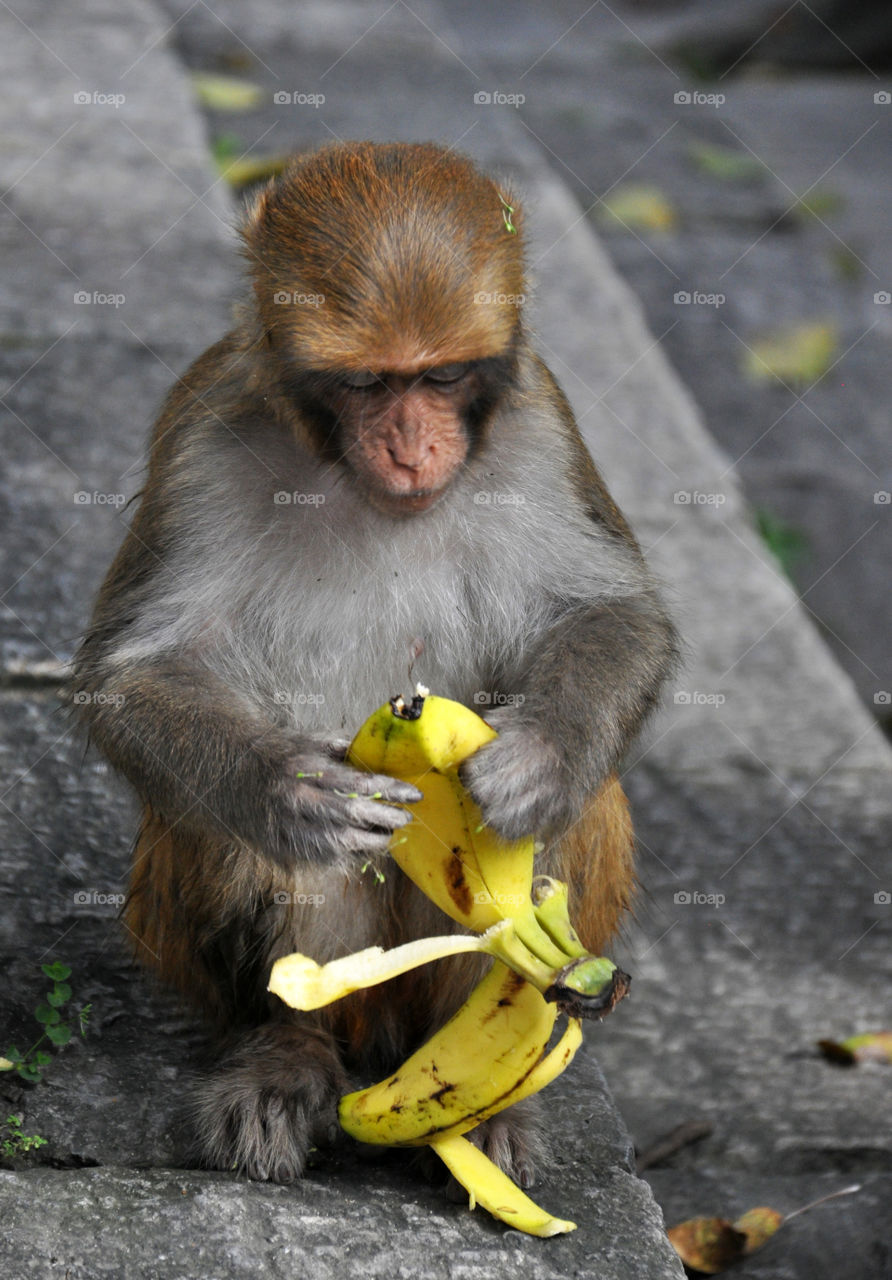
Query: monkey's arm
[199, 754]
[584, 690]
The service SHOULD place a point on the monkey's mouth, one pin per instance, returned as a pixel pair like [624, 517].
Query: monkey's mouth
[407, 504]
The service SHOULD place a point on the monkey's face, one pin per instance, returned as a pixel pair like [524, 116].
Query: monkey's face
[403, 437]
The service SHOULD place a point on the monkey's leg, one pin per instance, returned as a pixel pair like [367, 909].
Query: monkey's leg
[199, 915]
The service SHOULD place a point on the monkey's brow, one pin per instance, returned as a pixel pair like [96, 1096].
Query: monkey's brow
[421, 372]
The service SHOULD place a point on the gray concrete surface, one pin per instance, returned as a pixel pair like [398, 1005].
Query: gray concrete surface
[764, 781]
[601, 102]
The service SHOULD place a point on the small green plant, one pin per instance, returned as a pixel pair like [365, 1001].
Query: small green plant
[785, 542]
[15, 1143]
[31, 1064]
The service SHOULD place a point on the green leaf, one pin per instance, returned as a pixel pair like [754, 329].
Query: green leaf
[241, 173]
[638, 207]
[785, 542]
[60, 993]
[801, 354]
[226, 146]
[13, 1054]
[31, 1074]
[226, 93]
[59, 1035]
[57, 971]
[726, 163]
[820, 203]
[49, 1017]
[42, 1058]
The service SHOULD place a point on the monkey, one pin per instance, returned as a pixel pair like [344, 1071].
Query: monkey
[374, 466]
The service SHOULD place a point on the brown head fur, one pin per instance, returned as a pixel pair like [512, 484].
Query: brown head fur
[396, 244]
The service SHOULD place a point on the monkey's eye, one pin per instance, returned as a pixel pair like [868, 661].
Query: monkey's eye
[446, 373]
[360, 380]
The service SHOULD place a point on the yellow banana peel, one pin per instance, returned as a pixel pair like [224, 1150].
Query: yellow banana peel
[493, 1051]
[492, 1188]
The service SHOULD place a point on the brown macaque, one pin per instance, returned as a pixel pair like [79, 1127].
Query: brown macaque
[373, 466]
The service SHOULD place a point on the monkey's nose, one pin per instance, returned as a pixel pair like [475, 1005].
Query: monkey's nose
[408, 459]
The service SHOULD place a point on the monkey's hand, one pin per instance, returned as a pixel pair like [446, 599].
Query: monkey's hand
[323, 810]
[520, 780]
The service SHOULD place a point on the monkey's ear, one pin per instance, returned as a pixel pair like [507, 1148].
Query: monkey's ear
[255, 214]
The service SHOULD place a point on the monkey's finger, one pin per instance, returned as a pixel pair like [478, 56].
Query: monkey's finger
[352, 782]
[331, 745]
[338, 810]
[356, 841]
[372, 815]
[364, 843]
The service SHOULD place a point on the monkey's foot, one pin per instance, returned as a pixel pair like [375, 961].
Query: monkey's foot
[271, 1098]
[514, 1140]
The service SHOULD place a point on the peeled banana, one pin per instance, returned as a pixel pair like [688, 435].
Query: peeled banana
[493, 1051]
[473, 875]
